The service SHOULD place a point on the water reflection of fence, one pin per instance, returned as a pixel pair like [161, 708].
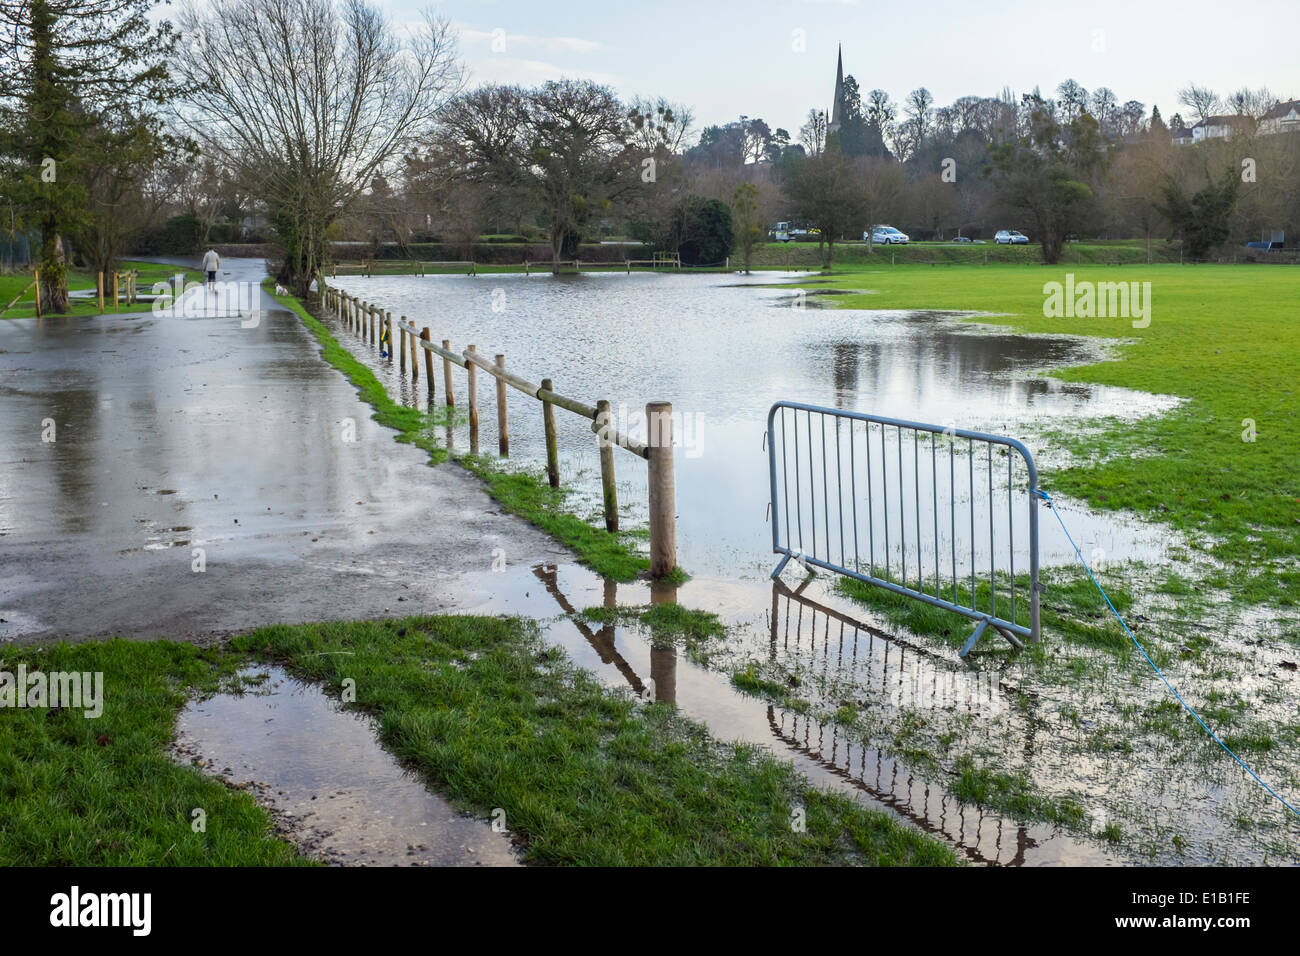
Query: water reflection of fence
[984, 837]
[892, 673]
[850, 492]
[375, 326]
[798, 626]
[662, 685]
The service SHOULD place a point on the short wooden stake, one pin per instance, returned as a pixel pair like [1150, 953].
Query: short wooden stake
[446, 375]
[503, 432]
[99, 290]
[607, 483]
[114, 291]
[662, 489]
[552, 449]
[36, 281]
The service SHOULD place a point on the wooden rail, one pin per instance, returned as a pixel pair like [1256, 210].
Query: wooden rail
[351, 312]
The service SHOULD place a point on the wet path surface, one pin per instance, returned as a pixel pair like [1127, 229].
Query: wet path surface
[228, 434]
[334, 790]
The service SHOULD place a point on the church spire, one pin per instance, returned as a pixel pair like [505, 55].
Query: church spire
[837, 105]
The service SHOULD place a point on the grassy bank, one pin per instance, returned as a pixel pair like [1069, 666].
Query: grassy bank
[480, 707]
[522, 493]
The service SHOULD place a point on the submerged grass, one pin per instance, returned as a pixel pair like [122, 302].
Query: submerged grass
[669, 624]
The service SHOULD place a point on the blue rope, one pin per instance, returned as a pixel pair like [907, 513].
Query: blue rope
[1051, 505]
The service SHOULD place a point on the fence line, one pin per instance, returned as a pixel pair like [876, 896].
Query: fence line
[420, 267]
[361, 317]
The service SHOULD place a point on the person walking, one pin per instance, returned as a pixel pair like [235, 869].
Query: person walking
[211, 263]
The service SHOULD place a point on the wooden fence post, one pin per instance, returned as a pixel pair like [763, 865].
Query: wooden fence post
[36, 281]
[428, 362]
[114, 291]
[99, 290]
[503, 433]
[662, 489]
[472, 374]
[386, 319]
[548, 426]
[415, 357]
[446, 375]
[472, 386]
[607, 483]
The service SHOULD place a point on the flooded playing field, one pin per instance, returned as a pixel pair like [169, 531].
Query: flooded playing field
[723, 349]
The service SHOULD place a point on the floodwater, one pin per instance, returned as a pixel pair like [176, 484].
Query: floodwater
[723, 349]
[340, 796]
[204, 431]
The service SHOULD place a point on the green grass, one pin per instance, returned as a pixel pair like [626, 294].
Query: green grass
[524, 493]
[1226, 339]
[104, 792]
[495, 719]
[12, 284]
[527, 494]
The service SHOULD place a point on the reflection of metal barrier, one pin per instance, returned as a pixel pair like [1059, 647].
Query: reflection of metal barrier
[871, 498]
[984, 838]
[858, 659]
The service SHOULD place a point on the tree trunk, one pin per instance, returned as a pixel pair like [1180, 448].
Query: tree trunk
[54, 274]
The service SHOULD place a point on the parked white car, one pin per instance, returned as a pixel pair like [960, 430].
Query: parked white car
[1010, 236]
[886, 235]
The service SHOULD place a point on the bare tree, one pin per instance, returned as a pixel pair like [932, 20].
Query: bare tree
[659, 124]
[813, 133]
[1201, 100]
[1251, 104]
[310, 99]
[1073, 99]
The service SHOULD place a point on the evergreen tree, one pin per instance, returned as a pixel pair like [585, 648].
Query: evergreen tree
[68, 63]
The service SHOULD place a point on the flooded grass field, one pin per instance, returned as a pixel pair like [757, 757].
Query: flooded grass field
[1072, 752]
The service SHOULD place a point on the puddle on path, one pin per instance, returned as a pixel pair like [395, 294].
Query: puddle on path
[341, 796]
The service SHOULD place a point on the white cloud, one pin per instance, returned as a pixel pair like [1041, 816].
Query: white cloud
[513, 41]
[500, 68]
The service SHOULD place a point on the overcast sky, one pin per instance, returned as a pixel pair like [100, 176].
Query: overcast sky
[725, 58]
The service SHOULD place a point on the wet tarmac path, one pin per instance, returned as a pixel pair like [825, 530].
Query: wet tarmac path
[194, 475]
